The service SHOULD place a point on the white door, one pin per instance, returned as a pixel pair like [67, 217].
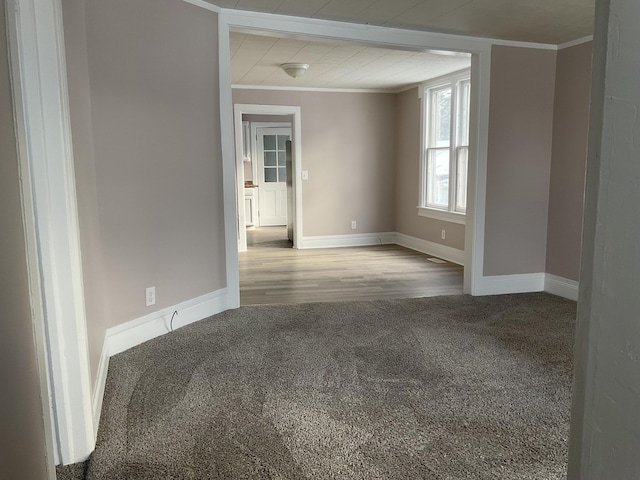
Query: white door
[272, 175]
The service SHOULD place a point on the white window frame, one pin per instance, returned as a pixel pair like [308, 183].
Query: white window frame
[424, 210]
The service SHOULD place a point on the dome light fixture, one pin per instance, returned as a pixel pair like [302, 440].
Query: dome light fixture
[294, 70]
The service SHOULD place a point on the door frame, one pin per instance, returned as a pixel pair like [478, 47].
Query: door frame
[255, 149]
[295, 112]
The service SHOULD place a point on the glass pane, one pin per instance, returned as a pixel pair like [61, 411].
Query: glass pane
[441, 117]
[438, 178]
[461, 187]
[270, 175]
[269, 159]
[282, 174]
[269, 142]
[464, 89]
[282, 159]
[281, 140]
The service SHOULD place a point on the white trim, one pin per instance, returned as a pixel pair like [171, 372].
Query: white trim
[100, 383]
[517, 44]
[410, 40]
[445, 252]
[31, 245]
[247, 22]
[477, 172]
[318, 89]
[573, 43]
[130, 334]
[269, 22]
[446, 79]
[296, 128]
[206, 5]
[348, 240]
[40, 74]
[444, 215]
[562, 287]
[232, 212]
[506, 284]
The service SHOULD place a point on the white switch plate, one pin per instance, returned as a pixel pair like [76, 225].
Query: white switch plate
[151, 296]
[305, 175]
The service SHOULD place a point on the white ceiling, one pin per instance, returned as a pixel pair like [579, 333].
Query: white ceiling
[542, 21]
[256, 59]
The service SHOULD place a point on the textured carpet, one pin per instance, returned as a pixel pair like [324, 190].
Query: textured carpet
[436, 388]
[75, 471]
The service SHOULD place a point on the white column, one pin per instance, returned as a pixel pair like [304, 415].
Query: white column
[42, 114]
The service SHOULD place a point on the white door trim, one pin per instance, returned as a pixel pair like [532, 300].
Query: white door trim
[296, 131]
[480, 48]
[232, 170]
[49, 200]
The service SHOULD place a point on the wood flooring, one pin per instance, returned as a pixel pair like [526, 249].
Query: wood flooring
[272, 272]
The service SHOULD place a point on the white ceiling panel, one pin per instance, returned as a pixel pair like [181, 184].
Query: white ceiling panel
[256, 60]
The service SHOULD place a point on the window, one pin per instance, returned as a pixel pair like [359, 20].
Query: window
[445, 147]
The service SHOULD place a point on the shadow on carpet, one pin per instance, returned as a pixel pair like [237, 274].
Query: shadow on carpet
[436, 388]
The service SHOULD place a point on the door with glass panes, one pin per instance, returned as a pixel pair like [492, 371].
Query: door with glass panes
[272, 175]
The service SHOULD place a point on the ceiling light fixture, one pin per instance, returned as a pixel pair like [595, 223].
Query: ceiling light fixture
[294, 69]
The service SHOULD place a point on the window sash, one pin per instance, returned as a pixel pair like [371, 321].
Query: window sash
[437, 174]
[445, 188]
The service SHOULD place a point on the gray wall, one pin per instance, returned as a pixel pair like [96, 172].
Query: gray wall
[143, 78]
[407, 158]
[519, 160]
[605, 427]
[568, 161]
[348, 148]
[22, 447]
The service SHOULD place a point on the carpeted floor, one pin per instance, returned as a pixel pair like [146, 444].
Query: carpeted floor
[436, 388]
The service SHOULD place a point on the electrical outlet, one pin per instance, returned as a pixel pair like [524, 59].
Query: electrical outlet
[151, 296]
[444, 234]
[353, 224]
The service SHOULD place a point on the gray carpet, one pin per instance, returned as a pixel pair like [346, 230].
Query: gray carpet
[435, 388]
[75, 471]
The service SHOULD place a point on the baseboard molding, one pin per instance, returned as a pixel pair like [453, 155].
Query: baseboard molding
[506, 284]
[562, 287]
[140, 330]
[350, 240]
[450, 254]
[101, 382]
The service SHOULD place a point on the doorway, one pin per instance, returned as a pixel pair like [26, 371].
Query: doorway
[291, 200]
[271, 165]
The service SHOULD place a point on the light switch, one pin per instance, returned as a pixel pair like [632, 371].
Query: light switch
[305, 175]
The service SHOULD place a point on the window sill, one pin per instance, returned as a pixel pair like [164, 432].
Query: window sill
[452, 217]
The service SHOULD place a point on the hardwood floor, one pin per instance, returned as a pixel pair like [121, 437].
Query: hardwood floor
[273, 272]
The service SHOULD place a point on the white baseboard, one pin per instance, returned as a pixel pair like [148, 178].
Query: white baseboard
[506, 284]
[350, 240]
[128, 335]
[562, 287]
[98, 390]
[450, 254]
